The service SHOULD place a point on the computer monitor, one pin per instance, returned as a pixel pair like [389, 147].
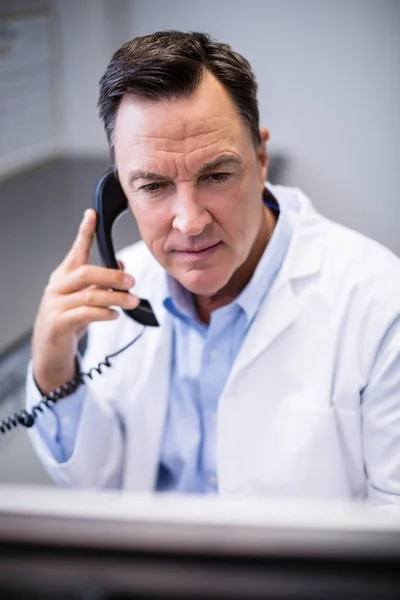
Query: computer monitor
[64, 544]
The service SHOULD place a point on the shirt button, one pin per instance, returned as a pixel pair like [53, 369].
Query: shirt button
[214, 354]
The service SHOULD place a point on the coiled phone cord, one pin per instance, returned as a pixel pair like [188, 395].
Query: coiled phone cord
[27, 419]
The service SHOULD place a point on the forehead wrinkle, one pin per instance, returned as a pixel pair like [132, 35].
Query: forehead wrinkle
[226, 147]
[185, 163]
[179, 131]
[209, 154]
[180, 145]
[186, 151]
[187, 148]
[178, 139]
[185, 134]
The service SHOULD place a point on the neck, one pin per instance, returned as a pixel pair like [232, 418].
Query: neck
[205, 305]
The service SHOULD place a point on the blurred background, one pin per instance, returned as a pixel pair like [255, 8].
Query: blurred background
[329, 92]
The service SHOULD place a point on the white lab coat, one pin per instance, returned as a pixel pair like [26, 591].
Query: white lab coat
[311, 408]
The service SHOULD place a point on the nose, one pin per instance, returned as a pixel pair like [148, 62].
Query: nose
[190, 218]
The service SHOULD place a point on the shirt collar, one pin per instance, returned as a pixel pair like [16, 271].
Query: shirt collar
[180, 302]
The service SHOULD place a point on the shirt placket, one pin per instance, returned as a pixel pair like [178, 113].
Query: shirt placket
[214, 373]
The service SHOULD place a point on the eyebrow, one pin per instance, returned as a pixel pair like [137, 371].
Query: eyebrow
[222, 161]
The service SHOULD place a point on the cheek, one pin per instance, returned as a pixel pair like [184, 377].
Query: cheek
[239, 218]
[154, 227]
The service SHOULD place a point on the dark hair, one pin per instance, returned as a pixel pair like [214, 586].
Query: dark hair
[171, 64]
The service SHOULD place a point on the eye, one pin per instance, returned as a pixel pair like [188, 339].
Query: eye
[218, 177]
[153, 187]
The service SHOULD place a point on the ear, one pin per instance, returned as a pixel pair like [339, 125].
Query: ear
[262, 155]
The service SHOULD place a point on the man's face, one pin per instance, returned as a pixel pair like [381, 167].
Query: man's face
[194, 181]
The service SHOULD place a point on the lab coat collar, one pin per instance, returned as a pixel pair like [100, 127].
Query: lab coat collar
[304, 256]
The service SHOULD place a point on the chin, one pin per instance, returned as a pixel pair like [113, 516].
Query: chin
[205, 282]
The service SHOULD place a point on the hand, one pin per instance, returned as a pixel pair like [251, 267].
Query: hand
[77, 294]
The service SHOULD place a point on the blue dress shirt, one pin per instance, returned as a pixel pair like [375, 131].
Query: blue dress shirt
[202, 358]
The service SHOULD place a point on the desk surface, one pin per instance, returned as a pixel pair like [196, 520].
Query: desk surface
[69, 544]
[233, 524]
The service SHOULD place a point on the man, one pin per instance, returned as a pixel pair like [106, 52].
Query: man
[276, 367]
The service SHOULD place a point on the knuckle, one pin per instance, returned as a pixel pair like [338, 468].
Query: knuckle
[48, 290]
[81, 273]
[53, 278]
[120, 279]
[88, 297]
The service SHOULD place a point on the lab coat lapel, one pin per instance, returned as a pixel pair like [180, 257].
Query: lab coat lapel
[277, 314]
[280, 308]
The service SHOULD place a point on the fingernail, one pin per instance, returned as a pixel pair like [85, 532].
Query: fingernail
[128, 280]
[87, 213]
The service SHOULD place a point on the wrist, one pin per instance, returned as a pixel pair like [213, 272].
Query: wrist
[66, 378]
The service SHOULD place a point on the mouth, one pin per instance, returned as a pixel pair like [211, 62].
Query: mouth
[200, 253]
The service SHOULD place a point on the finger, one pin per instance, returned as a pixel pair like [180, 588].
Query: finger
[80, 250]
[121, 265]
[91, 275]
[83, 315]
[99, 298]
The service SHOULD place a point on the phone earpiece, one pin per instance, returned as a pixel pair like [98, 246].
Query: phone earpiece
[110, 203]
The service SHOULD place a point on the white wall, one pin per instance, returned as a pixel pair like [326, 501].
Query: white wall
[90, 31]
[85, 51]
[329, 89]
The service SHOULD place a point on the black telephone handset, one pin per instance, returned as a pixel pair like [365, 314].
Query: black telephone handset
[110, 203]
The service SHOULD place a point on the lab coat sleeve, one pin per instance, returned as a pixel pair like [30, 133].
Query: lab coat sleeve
[98, 448]
[57, 425]
[381, 422]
